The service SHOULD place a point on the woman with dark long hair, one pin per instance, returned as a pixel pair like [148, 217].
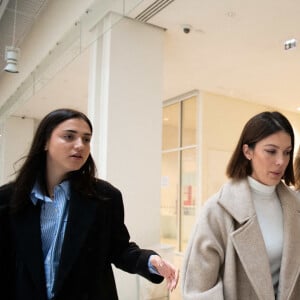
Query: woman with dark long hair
[61, 228]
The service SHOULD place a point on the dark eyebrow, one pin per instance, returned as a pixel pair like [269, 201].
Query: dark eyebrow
[272, 145]
[74, 131]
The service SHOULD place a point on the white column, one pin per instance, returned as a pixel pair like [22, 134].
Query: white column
[125, 106]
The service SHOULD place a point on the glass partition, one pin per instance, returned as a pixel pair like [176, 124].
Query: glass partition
[179, 171]
[170, 133]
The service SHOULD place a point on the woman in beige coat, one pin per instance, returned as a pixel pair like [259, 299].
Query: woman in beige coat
[246, 243]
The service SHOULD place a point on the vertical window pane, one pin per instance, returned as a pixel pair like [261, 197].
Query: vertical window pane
[188, 194]
[189, 113]
[170, 135]
[169, 197]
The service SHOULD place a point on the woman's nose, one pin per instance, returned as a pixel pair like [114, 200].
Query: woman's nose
[280, 159]
[79, 143]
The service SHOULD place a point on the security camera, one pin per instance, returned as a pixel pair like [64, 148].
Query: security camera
[186, 29]
[290, 44]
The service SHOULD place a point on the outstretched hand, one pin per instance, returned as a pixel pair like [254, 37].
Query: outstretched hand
[167, 270]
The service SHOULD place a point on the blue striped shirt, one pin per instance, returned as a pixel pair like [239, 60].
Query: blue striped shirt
[53, 220]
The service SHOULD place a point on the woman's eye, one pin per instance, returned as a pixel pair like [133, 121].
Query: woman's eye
[68, 137]
[287, 153]
[271, 151]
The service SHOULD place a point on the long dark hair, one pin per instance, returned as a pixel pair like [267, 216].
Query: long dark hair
[257, 128]
[34, 167]
[297, 170]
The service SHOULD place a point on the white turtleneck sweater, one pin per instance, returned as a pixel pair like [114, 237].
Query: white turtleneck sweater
[269, 215]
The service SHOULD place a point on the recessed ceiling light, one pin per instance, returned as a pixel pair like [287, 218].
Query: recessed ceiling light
[298, 108]
[231, 14]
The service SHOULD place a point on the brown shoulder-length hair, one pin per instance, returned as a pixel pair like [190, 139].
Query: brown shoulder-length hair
[257, 128]
[297, 170]
[34, 167]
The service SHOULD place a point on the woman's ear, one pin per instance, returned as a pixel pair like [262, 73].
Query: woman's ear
[46, 147]
[247, 151]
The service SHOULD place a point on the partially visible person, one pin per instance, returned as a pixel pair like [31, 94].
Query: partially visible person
[297, 171]
[61, 228]
[246, 242]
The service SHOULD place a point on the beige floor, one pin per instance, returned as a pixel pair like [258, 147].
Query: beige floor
[150, 291]
[176, 259]
[176, 294]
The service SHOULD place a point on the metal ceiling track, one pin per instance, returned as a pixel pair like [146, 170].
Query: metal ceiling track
[152, 10]
[3, 4]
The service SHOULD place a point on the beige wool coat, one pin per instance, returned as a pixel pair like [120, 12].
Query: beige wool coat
[226, 256]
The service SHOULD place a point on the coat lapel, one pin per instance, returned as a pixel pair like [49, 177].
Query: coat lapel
[81, 215]
[250, 247]
[289, 271]
[247, 238]
[27, 232]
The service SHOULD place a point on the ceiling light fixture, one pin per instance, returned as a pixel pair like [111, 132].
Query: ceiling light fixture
[11, 57]
[12, 53]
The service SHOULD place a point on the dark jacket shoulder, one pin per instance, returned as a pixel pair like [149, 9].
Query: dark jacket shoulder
[6, 191]
[106, 189]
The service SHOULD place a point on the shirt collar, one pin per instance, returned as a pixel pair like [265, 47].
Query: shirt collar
[37, 194]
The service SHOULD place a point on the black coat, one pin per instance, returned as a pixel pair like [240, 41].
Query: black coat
[95, 237]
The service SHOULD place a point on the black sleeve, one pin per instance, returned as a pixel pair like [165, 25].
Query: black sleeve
[7, 261]
[127, 255]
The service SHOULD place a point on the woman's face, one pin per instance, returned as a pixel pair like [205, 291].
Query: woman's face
[270, 157]
[68, 147]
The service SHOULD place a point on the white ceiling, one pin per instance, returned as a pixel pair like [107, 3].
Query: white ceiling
[235, 48]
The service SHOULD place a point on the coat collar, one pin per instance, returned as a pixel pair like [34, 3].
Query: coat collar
[248, 240]
[235, 198]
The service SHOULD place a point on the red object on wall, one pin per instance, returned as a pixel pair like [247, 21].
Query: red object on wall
[187, 195]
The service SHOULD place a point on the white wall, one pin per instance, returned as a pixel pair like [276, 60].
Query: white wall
[16, 138]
